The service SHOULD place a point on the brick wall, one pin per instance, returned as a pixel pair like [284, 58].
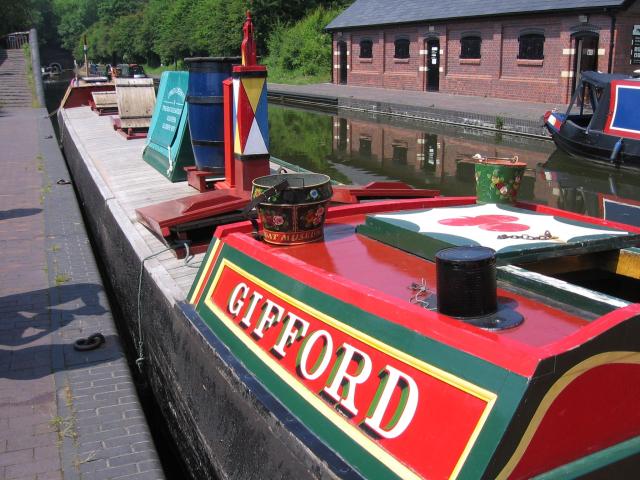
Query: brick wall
[498, 73]
[622, 39]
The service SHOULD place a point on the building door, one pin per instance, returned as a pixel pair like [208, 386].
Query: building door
[586, 57]
[342, 48]
[433, 64]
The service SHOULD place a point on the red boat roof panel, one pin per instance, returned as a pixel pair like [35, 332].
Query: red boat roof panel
[373, 265]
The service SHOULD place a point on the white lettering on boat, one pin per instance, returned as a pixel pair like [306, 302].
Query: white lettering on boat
[351, 367]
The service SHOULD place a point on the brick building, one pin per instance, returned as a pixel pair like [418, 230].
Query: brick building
[519, 49]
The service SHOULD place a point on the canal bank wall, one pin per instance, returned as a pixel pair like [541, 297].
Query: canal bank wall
[505, 116]
[64, 413]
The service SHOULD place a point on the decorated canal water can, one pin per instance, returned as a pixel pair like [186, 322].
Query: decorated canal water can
[498, 179]
[293, 212]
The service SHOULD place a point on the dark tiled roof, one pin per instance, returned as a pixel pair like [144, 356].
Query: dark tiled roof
[381, 12]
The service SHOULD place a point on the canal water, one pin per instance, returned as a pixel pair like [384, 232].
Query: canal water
[357, 147]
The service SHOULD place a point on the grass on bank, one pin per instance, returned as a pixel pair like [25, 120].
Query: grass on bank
[26, 49]
[157, 71]
[275, 75]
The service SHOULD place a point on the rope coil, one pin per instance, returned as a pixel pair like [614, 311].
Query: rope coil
[90, 343]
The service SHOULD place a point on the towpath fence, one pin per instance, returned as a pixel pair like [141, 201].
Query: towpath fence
[14, 40]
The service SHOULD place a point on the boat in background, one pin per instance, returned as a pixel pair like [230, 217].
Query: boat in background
[127, 70]
[602, 121]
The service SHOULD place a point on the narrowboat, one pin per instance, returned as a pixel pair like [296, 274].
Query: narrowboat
[409, 338]
[127, 70]
[602, 121]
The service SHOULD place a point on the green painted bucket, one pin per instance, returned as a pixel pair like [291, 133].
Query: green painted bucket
[498, 180]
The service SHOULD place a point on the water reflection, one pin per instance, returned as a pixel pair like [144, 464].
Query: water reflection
[579, 186]
[355, 147]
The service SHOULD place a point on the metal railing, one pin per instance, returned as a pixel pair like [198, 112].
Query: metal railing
[15, 40]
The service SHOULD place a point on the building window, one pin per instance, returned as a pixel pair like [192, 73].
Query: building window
[402, 48]
[531, 46]
[470, 47]
[400, 150]
[366, 49]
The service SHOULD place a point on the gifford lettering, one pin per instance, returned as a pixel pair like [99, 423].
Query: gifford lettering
[363, 383]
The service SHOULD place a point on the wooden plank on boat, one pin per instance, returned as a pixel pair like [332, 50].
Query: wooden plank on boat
[103, 100]
[136, 99]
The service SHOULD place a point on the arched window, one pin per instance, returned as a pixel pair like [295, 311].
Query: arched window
[402, 48]
[531, 46]
[470, 46]
[366, 49]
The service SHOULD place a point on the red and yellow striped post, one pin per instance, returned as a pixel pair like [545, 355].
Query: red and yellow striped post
[250, 116]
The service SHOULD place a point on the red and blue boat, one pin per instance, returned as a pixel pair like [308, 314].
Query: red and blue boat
[602, 121]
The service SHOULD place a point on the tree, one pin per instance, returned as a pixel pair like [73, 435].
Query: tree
[303, 48]
[109, 10]
[135, 30]
[75, 17]
[217, 27]
[172, 40]
[22, 15]
[271, 14]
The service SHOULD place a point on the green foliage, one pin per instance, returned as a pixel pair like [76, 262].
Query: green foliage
[172, 39]
[22, 15]
[155, 31]
[16, 16]
[26, 50]
[75, 16]
[219, 33]
[109, 10]
[302, 49]
[269, 14]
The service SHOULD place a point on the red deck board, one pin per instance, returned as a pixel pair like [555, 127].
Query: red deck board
[391, 271]
[159, 217]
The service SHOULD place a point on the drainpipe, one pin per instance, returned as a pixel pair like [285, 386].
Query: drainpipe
[333, 57]
[611, 42]
[35, 66]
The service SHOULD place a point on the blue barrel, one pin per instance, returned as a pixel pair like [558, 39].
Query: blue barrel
[206, 115]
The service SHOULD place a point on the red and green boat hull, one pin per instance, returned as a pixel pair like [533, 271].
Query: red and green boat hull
[394, 402]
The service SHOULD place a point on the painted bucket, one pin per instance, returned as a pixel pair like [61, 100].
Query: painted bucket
[205, 109]
[498, 180]
[297, 213]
